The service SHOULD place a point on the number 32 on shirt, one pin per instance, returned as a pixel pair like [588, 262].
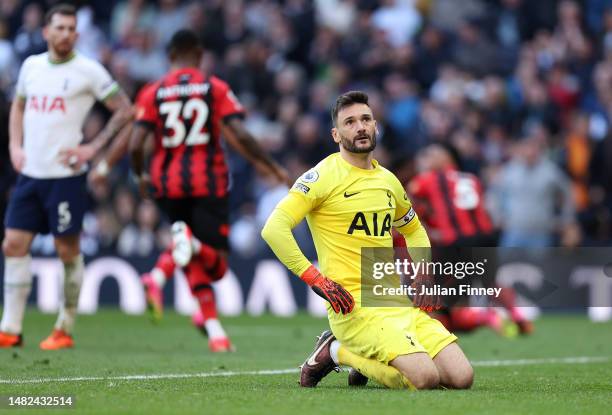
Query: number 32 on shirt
[176, 113]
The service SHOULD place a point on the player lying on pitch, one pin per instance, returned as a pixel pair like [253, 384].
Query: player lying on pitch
[350, 202]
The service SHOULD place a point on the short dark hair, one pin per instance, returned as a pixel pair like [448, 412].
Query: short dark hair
[184, 42]
[63, 8]
[452, 152]
[347, 99]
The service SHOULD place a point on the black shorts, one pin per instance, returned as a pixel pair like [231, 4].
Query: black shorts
[54, 206]
[206, 216]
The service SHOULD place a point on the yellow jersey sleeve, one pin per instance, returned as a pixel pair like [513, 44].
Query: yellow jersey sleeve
[406, 220]
[277, 232]
[312, 187]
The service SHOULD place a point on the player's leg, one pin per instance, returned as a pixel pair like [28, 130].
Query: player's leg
[154, 282]
[25, 217]
[507, 297]
[201, 229]
[206, 319]
[329, 354]
[465, 318]
[17, 285]
[454, 369]
[368, 340]
[68, 251]
[363, 368]
[419, 369]
[66, 201]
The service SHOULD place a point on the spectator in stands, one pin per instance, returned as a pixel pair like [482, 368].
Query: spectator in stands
[530, 190]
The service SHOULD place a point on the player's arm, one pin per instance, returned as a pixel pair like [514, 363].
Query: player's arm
[137, 142]
[16, 151]
[411, 228]
[16, 133]
[419, 248]
[407, 223]
[245, 144]
[277, 233]
[230, 112]
[112, 155]
[144, 124]
[122, 113]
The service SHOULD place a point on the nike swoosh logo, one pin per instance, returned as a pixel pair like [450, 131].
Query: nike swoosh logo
[350, 194]
[311, 360]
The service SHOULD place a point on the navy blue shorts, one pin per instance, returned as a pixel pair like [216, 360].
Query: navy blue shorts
[48, 205]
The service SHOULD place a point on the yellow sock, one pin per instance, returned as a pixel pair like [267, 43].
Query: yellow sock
[373, 369]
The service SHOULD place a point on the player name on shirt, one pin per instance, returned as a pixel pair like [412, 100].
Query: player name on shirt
[184, 90]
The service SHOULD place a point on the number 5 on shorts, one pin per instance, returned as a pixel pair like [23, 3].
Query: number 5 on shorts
[64, 216]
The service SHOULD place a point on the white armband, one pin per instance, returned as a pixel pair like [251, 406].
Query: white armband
[404, 220]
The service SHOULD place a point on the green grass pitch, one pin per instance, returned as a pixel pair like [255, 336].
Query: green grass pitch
[527, 376]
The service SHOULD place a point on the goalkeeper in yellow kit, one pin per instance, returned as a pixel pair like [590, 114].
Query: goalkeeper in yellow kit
[351, 202]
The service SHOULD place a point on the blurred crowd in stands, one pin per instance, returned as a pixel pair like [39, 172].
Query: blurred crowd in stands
[522, 89]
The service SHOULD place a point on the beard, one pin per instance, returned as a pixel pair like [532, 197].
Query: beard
[351, 145]
[63, 49]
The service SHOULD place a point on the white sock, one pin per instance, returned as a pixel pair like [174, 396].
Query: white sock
[214, 328]
[333, 351]
[73, 278]
[159, 277]
[17, 287]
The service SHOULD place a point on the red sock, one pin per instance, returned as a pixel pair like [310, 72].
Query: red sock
[199, 282]
[507, 300]
[214, 263]
[206, 299]
[166, 264]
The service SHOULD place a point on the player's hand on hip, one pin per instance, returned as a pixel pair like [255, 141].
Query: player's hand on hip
[340, 299]
[17, 158]
[76, 157]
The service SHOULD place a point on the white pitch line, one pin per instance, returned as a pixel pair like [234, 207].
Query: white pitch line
[551, 360]
[482, 363]
[152, 376]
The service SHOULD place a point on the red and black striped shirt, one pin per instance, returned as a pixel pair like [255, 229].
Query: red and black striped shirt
[451, 204]
[185, 109]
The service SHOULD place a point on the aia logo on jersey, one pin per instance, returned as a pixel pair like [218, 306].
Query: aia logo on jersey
[46, 104]
[374, 227]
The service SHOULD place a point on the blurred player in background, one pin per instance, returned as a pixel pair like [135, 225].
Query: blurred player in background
[188, 110]
[55, 91]
[452, 206]
[351, 202]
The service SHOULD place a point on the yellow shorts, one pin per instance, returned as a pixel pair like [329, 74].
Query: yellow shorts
[385, 333]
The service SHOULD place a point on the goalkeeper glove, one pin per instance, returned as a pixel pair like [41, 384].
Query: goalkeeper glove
[340, 299]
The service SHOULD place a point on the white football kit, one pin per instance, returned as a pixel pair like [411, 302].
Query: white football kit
[58, 97]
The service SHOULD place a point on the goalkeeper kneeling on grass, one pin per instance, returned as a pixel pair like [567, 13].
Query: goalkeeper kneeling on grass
[350, 203]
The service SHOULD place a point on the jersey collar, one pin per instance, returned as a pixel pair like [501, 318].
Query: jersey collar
[359, 169]
[68, 59]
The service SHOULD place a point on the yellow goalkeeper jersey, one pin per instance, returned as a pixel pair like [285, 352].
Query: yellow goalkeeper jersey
[347, 209]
